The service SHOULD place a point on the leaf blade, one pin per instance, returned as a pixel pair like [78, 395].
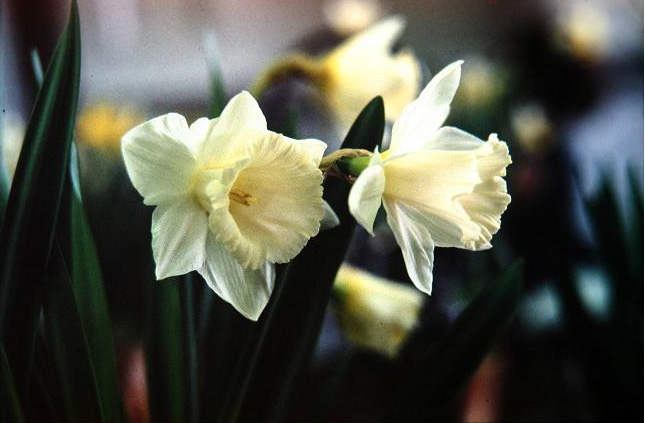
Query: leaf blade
[27, 234]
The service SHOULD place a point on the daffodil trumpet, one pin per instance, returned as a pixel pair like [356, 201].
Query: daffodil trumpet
[440, 186]
[231, 198]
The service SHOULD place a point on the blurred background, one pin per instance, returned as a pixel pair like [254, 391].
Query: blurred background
[560, 81]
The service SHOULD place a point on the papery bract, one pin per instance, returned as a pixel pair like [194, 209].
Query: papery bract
[440, 186]
[231, 198]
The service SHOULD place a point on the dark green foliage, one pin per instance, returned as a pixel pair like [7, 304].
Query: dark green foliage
[432, 380]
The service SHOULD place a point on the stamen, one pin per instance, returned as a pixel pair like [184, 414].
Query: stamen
[241, 197]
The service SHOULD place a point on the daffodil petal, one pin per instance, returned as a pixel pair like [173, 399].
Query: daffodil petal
[380, 36]
[199, 132]
[330, 219]
[179, 231]
[241, 117]
[450, 138]
[248, 291]
[423, 117]
[415, 242]
[365, 196]
[313, 147]
[159, 162]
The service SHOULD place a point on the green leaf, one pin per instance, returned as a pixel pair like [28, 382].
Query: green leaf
[90, 299]
[80, 255]
[10, 409]
[69, 345]
[218, 92]
[27, 233]
[290, 325]
[434, 380]
[164, 353]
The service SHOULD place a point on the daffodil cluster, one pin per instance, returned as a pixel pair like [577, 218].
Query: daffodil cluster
[233, 198]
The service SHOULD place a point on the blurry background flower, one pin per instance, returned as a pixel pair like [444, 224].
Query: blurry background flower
[102, 125]
[13, 132]
[347, 17]
[583, 30]
[375, 313]
[532, 128]
[482, 83]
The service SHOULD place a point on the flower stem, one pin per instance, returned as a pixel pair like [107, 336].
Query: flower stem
[344, 155]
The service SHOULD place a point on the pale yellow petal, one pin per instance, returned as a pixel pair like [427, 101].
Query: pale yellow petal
[179, 231]
[247, 290]
[416, 244]
[365, 196]
[158, 160]
[241, 116]
[422, 118]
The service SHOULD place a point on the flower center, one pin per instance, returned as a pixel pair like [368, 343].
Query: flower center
[239, 196]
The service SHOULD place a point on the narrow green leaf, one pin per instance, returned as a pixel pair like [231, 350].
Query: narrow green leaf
[290, 325]
[164, 353]
[434, 381]
[80, 255]
[218, 92]
[68, 344]
[10, 409]
[91, 301]
[32, 210]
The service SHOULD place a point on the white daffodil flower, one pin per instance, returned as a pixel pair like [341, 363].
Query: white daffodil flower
[440, 186]
[376, 313]
[364, 67]
[231, 198]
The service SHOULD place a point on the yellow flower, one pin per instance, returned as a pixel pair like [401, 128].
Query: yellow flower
[102, 126]
[440, 186]
[231, 198]
[376, 313]
[364, 67]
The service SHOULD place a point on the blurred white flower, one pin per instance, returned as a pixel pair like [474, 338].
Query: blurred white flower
[231, 198]
[13, 133]
[532, 128]
[349, 16]
[439, 185]
[482, 83]
[364, 67]
[583, 30]
[376, 313]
